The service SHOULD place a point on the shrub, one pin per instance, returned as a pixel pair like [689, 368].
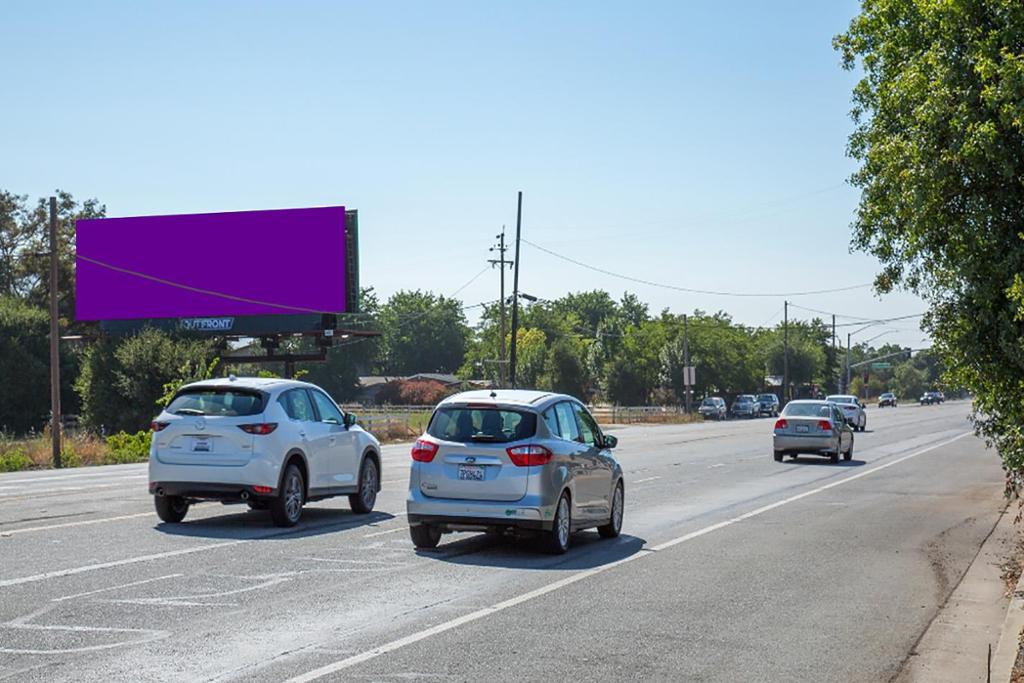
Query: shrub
[14, 460]
[127, 448]
[414, 392]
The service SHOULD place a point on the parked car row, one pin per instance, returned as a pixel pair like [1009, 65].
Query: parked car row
[744, 405]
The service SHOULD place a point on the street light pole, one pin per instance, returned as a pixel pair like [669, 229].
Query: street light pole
[515, 294]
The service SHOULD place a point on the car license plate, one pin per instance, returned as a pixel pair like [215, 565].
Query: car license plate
[471, 473]
[801, 429]
[201, 444]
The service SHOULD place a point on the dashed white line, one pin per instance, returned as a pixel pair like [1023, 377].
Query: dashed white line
[114, 588]
[382, 533]
[424, 634]
[64, 525]
[641, 481]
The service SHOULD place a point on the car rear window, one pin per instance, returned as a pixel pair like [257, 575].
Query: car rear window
[222, 402]
[807, 410]
[841, 399]
[470, 424]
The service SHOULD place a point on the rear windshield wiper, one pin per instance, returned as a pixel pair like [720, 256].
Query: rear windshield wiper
[188, 411]
[484, 437]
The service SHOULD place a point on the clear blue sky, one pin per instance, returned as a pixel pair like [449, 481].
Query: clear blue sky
[693, 143]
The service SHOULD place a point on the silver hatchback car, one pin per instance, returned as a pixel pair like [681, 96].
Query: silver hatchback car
[514, 460]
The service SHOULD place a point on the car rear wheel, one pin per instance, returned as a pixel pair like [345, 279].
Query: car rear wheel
[556, 541]
[363, 501]
[848, 455]
[286, 509]
[614, 526]
[777, 455]
[425, 536]
[834, 456]
[171, 509]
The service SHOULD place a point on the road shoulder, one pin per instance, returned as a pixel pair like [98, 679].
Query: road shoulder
[955, 646]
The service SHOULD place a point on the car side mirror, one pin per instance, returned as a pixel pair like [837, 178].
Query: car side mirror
[350, 420]
[609, 441]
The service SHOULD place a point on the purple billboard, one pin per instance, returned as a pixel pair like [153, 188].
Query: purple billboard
[244, 263]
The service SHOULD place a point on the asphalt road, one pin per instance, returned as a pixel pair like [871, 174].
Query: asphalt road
[731, 567]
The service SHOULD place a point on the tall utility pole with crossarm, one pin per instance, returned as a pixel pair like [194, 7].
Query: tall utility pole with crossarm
[501, 262]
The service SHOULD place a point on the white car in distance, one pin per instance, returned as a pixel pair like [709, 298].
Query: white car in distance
[853, 410]
[272, 443]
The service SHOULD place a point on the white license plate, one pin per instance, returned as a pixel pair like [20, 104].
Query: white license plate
[471, 473]
[801, 429]
[201, 444]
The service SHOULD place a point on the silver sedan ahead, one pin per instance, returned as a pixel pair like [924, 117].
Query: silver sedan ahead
[815, 427]
[509, 461]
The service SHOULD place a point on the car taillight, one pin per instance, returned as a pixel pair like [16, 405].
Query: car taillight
[261, 428]
[781, 424]
[262, 489]
[156, 426]
[525, 456]
[825, 425]
[424, 451]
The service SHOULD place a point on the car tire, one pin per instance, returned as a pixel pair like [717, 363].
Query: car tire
[777, 455]
[556, 541]
[614, 526]
[834, 457]
[362, 502]
[286, 508]
[170, 509]
[848, 455]
[425, 536]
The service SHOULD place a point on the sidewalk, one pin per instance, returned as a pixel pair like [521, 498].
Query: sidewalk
[955, 647]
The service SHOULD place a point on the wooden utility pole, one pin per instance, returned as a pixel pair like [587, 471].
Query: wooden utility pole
[54, 338]
[785, 351]
[515, 294]
[501, 262]
[686, 362]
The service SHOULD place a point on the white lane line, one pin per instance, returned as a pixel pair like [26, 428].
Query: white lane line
[63, 477]
[641, 481]
[69, 524]
[382, 533]
[114, 588]
[404, 480]
[5, 583]
[719, 464]
[416, 637]
[62, 489]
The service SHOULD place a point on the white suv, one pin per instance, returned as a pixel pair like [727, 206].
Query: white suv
[274, 444]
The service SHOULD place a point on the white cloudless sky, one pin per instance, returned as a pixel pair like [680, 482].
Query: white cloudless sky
[698, 144]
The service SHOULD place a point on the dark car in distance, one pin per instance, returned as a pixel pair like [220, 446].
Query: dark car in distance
[769, 404]
[745, 405]
[929, 398]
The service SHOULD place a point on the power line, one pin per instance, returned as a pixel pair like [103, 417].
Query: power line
[691, 290]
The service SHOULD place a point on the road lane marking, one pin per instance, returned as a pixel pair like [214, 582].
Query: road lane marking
[418, 636]
[381, 533]
[641, 481]
[64, 525]
[64, 477]
[5, 583]
[117, 587]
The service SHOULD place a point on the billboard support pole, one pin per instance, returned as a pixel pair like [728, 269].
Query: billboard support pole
[515, 295]
[54, 339]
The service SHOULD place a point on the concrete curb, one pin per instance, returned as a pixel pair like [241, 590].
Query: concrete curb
[1009, 641]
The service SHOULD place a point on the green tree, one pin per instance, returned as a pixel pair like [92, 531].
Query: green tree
[348, 359]
[122, 379]
[908, 383]
[563, 369]
[422, 332]
[939, 135]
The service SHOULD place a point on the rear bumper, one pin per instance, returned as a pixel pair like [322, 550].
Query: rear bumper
[204, 491]
[805, 444]
[527, 513]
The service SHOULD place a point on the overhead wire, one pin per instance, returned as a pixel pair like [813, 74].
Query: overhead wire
[690, 290]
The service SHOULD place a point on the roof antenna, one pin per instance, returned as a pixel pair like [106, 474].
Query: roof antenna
[494, 394]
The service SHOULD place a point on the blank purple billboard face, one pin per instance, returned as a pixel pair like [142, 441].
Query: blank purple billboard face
[287, 261]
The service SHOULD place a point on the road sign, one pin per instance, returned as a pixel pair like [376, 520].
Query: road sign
[881, 366]
[689, 375]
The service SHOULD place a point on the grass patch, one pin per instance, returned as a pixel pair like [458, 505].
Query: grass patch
[78, 449]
